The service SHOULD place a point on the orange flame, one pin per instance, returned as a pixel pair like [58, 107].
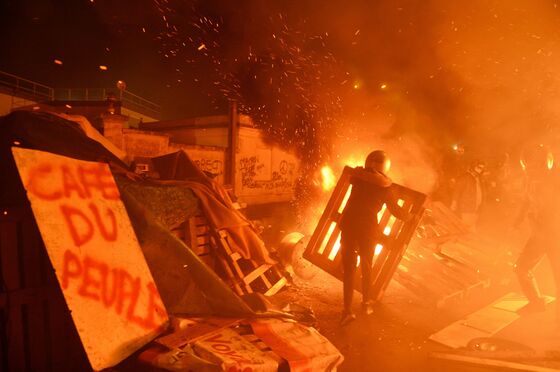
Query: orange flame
[328, 179]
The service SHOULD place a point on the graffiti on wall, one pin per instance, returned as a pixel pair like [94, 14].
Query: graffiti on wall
[214, 166]
[282, 178]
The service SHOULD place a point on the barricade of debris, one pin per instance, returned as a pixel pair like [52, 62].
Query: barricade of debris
[127, 260]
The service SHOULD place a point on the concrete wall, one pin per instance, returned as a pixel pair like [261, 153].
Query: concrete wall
[137, 143]
[9, 102]
[136, 117]
[264, 173]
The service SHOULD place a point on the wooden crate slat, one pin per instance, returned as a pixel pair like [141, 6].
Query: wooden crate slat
[16, 351]
[265, 280]
[395, 255]
[211, 245]
[201, 230]
[203, 239]
[249, 278]
[9, 255]
[202, 250]
[36, 324]
[276, 287]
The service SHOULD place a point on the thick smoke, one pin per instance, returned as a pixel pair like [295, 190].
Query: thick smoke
[335, 80]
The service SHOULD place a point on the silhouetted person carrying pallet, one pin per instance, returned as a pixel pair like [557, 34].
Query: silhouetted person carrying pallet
[542, 207]
[371, 188]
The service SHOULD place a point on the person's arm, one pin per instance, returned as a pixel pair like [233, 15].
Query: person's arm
[394, 208]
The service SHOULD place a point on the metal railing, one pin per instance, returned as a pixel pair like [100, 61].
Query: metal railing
[26, 88]
[129, 100]
[39, 92]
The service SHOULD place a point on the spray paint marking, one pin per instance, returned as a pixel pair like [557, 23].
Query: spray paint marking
[114, 287]
[91, 278]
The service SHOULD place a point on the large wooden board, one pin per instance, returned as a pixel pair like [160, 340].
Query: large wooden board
[485, 322]
[104, 277]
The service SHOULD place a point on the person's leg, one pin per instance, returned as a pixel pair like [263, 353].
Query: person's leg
[366, 249]
[470, 218]
[554, 258]
[366, 261]
[530, 256]
[349, 257]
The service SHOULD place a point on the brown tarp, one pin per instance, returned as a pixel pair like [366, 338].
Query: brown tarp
[216, 204]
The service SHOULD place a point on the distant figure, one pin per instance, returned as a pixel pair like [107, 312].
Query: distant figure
[542, 207]
[452, 167]
[468, 194]
[371, 188]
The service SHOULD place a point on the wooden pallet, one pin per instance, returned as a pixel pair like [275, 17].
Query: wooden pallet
[195, 232]
[243, 275]
[437, 279]
[324, 245]
[36, 330]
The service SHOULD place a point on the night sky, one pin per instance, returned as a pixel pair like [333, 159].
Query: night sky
[313, 73]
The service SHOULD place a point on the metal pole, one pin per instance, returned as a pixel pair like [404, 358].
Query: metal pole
[233, 139]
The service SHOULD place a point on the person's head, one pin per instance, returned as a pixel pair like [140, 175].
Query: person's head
[536, 160]
[379, 161]
[459, 148]
[478, 166]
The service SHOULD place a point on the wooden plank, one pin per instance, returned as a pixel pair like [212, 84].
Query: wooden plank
[201, 240]
[179, 234]
[265, 280]
[202, 250]
[233, 279]
[16, 351]
[55, 329]
[9, 255]
[380, 286]
[31, 260]
[201, 230]
[490, 319]
[458, 335]
[4, 356]
[502, 365]
[256, 273]
[483, 323]
[38, 338]
[332, 206]
[190, 231]
[200, 221]
[10, 261]
[276, 287]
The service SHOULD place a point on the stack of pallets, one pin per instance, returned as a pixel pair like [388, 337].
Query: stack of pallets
[213, 248]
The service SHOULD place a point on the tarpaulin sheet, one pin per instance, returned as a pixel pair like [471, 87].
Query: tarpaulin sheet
[185, 283]
[215, 203]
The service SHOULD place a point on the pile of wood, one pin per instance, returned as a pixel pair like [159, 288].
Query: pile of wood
[243, 275]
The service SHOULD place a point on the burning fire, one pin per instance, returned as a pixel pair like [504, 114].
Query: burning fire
[328, 179]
